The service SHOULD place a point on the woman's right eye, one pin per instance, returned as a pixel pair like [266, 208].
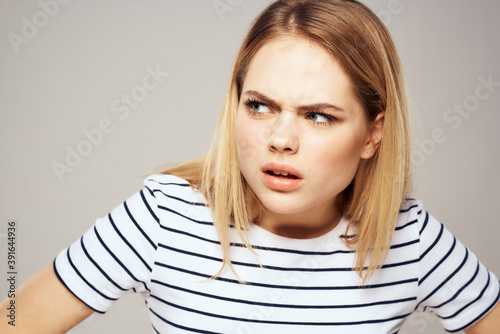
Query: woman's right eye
[256, 108]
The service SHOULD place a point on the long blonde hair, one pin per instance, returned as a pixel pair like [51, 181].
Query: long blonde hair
[360, 42]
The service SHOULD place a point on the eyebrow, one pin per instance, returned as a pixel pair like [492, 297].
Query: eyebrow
[309, 107]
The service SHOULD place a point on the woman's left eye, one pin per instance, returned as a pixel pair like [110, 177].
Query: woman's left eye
[320, 118]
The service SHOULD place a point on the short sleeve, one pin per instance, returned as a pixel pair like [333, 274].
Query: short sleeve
[115, 255]
[452, 283]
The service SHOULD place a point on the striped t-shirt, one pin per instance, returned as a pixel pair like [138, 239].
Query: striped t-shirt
[162, 243]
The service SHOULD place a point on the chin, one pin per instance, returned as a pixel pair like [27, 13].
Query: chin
[282, 209]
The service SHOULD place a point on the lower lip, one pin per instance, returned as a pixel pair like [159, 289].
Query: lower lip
[280, 183]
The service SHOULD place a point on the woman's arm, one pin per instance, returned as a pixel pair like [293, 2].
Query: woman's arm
[490, 324]
[43, 305]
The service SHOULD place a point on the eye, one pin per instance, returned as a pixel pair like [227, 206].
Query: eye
[256, 107]
[320, 118]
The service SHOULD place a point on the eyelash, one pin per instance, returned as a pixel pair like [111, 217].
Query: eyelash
[250, 102]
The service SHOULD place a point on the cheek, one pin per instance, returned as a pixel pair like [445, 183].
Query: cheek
[250, 138]
[339, 155]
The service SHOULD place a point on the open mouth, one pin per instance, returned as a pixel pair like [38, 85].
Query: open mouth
[281, 175]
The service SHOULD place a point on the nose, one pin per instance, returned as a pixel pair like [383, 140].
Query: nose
[283, 137]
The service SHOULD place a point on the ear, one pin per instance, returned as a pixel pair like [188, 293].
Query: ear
[374, 136]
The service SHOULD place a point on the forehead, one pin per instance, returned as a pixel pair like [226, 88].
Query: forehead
[297, 69]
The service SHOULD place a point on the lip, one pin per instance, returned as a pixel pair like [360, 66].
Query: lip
[278, 183]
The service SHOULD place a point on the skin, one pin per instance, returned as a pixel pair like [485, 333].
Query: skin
[292, 73]
[325, 148]
[490, 324]
[44, 305]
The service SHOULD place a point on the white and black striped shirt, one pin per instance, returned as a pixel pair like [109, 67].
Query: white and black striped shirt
[161, 243]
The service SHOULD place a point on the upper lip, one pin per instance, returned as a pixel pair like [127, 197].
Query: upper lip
[280, 167]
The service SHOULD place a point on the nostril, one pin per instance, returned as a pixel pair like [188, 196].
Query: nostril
[283, 141]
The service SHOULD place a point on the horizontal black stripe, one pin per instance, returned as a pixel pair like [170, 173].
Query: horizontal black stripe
[408, 209]
[181, 199]
[273, 249]
[404, 244]
[186, 217]
[275, 322]
[253, 265]
[289, 287]
[270, 267]
[170, 183]
[398, 264]
[281, 250]
[173, 230]
[190, 329]
[398, 228]
[291, 306]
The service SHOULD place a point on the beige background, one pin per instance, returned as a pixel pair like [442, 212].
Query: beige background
[64, 79]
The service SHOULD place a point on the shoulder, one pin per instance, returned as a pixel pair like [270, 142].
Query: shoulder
[418, 224]
[164, 187]
[415, 223]
[411, 215]
[177, 201]
[159, 180]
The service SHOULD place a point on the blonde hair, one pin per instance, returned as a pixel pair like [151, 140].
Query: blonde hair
[360, 42]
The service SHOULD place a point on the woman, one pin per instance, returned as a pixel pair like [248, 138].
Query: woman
[297, 219]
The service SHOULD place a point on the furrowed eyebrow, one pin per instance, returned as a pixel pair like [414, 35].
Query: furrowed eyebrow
[264, 99]
[307, 108]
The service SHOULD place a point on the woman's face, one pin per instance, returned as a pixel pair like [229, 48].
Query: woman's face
[300, 135]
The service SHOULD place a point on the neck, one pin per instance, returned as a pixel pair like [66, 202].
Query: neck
[307, 224]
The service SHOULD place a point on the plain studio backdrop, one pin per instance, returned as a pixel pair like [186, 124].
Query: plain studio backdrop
[94, 95]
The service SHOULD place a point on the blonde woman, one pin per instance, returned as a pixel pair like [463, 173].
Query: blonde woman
[297, 220]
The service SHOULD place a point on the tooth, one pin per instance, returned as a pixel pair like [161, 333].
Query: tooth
[277, 172]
